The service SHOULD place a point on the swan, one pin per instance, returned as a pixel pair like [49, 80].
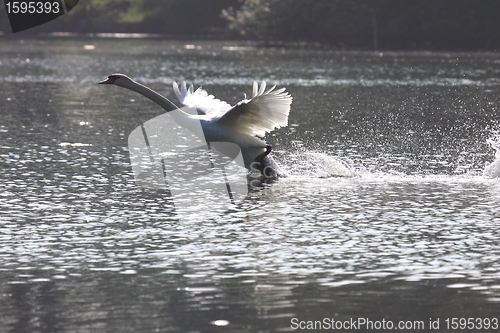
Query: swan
[243, 124]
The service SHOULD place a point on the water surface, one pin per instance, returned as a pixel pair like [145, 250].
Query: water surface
[387, 212]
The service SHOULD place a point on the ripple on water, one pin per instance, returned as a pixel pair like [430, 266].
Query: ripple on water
[339, 230]
[70, 206]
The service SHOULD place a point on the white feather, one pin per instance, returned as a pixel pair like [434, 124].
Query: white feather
[265, 111]
[200, 100]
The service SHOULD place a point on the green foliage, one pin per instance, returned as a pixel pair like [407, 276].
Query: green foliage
[254, 17]
[140, 10]
[165, 16]
[400, 24]
[350, 23]
[300, 19]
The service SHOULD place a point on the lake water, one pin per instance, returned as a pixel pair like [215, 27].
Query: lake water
[390, 211]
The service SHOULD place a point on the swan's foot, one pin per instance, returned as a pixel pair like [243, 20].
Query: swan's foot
[265, 169]
[260, 158]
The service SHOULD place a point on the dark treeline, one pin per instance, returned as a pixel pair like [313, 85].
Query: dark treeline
[346, 24]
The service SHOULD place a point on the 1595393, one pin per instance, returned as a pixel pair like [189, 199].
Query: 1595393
[472, 323]
[32, 7]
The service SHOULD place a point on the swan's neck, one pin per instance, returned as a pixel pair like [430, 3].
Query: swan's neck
[182, 118]
[152, 95]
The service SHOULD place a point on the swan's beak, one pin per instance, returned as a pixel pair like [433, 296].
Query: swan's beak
[107, 81]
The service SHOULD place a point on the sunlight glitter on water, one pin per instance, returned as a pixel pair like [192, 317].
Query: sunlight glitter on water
[385, 193]
[387, 224]
[330, 218]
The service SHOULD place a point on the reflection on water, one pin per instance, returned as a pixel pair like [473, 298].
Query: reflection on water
[176, 302]
[385, 212]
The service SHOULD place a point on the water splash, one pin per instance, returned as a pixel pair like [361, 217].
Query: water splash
[492, 170]
[313, 164]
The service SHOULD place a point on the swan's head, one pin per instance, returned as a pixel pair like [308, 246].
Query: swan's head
[118, 79]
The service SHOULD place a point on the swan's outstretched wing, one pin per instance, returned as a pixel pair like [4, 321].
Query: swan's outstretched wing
[265, 111]
[200, 100]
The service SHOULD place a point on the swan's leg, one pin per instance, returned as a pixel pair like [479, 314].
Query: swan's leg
[260, 160]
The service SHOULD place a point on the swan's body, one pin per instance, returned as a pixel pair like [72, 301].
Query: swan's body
[241, 124]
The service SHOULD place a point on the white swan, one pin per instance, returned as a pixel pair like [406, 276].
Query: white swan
[241, 124]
